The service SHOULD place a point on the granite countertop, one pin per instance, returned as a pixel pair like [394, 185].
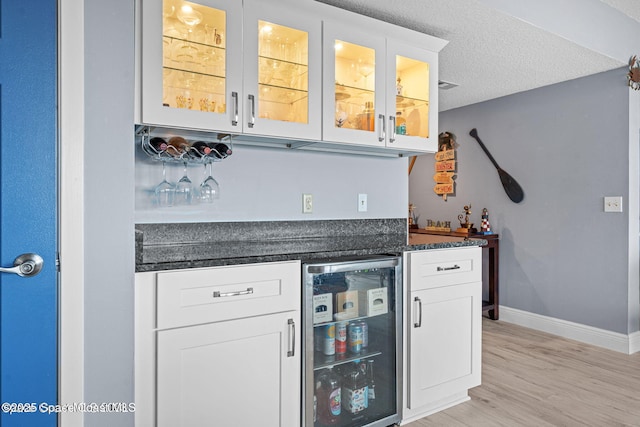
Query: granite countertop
[179, 246]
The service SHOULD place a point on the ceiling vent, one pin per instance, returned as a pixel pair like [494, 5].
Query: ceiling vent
[446, 85]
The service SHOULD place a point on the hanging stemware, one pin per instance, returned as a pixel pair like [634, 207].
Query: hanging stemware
[184, 189]
[165, 191]
[209, 188]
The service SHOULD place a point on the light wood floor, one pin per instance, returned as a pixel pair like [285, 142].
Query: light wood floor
[530, 378]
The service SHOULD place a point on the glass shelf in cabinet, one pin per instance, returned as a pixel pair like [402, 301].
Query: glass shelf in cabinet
[406, 102]
[281, 95]
[194, 43]
[283, 73]
[189, 74]
[192, 56]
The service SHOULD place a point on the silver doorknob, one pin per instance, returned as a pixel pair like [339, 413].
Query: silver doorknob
[26, 265]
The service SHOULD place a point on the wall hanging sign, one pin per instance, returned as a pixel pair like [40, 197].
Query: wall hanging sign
[445, 165]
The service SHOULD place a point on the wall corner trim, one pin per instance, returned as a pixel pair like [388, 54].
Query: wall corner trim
[615, 341]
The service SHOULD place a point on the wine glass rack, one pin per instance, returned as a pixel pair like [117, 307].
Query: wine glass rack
[187, 151]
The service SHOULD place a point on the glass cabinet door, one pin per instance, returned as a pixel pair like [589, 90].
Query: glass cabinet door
[191, 60]
[281, 72]
[354, 87]
[412, 89]
[193, 52]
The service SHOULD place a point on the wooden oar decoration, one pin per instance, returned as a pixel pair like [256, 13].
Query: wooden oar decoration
[511, 186]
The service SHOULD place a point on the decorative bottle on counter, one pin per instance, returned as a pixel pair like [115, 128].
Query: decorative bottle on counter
[329, 398]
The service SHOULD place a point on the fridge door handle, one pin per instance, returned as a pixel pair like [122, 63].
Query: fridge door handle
[418, 312]
[292, 338]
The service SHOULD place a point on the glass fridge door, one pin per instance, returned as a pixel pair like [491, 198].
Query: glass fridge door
[352, 342]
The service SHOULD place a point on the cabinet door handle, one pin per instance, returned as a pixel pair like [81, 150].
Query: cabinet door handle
[392, 125]
[234, 95]
[252, 119]
[217, 294]
[292, 338]
[419, 312]
[383, 131]
[455, 267]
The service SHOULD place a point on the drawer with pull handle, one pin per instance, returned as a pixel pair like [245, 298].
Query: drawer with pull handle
[444, 267]
[194, 296]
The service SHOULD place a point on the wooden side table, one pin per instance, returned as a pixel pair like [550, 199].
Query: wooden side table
[490, 280]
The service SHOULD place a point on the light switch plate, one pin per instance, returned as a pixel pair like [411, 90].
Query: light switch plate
[362, 202]
[613, 204]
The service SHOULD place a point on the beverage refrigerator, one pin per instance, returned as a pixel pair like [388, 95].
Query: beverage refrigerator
[353, 342]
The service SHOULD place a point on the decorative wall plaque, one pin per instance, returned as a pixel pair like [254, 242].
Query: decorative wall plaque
[445, 165]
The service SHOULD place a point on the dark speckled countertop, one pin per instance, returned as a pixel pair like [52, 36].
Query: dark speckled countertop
[190, 245]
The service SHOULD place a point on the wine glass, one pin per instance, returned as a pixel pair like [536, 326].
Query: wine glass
[189, 17]
[165, 191]
[184, 189]
[365, 69]
[209, 189]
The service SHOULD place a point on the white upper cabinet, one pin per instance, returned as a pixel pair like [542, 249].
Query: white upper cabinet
[191, 63]
[354, 86]
[378, 91]
[412, 97]
[214, 65]
[282, 82]
[287, 71]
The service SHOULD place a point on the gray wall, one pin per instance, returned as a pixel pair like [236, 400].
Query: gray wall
[109, 196]
[567, 145]
[261, 184]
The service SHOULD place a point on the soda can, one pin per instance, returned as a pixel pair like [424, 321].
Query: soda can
[329, 340]
[355, 338]
[365, 334]
[341, 337]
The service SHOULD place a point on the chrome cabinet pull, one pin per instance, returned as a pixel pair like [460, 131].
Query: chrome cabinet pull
[25, 265]
[217, 294]
[392, 124]
[234, 95]
[252, 119]
[292, 338]
[383, 131]
[419, 311]
[455, 267]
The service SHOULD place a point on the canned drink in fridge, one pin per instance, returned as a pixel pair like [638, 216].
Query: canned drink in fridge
[341, 337]
[365, 334]
[355, 337]
[329, 340]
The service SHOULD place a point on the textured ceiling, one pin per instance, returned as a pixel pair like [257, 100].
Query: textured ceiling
[491, 54]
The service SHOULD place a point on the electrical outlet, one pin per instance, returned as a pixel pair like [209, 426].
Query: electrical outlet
[613, 204]
[362, 202]
[307, 203]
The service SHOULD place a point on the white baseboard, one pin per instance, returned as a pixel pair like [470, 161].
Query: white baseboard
[622, 343]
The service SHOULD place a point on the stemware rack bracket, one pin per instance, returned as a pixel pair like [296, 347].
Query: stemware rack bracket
[173, 154]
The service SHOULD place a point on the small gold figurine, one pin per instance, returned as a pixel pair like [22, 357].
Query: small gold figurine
[466, 227]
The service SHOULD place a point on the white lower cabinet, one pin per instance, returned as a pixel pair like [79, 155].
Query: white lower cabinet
[241, 369]
[443, 329]
[229, 373]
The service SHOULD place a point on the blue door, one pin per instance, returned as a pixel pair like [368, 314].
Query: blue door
[28, 305]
